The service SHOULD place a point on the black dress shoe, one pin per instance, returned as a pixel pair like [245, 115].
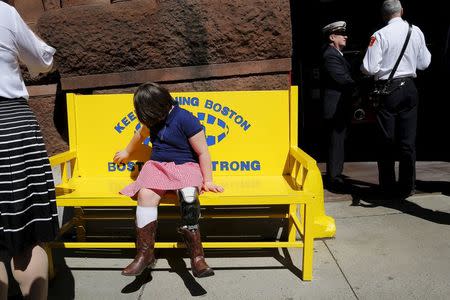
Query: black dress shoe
[406, 190]
[337, 185]
[336, 180]
[405, 193]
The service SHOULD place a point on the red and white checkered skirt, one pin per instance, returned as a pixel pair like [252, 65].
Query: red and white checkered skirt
[164, 176]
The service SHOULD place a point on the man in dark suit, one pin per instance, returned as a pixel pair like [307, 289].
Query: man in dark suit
[336, 89]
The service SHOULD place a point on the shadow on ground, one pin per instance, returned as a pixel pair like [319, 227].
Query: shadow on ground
[63, 285]
[434, 186]
[368, 195]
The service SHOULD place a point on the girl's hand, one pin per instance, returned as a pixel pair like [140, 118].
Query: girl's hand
[121, 157]
[210, 186]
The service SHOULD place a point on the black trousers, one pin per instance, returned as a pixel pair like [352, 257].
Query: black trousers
[397, 124]
[337, 134]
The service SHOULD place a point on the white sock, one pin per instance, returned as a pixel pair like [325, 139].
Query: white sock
[146, 215]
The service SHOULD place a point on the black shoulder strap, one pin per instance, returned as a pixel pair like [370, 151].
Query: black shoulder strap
[401, 53]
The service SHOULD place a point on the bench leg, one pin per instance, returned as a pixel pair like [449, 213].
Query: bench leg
[302, 213]
[80, 224]
[308, 243]
[292, 232]
[51, 266]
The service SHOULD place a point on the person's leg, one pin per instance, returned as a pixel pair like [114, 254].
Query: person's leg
[336, 155]
[407, 141]
[30, 269]
[190, 230]
[146, 224]
[386, 150]
[3, 281]
[147, 206]
[331, 167]
[336, 152]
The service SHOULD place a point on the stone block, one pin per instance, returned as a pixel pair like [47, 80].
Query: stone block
[43, 108]
[238, 83]
[52, 4]
[29, 10]
[150, 34]
[67, 3]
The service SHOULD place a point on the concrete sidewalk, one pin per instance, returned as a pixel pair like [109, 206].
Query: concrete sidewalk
[378, 253]
[381, 251]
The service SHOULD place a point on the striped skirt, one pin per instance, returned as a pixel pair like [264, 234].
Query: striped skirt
[27, 194]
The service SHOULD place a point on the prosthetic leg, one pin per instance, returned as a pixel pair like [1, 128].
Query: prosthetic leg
[145, 246]
[190, 213]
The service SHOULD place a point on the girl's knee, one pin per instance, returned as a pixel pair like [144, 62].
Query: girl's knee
[148, 197]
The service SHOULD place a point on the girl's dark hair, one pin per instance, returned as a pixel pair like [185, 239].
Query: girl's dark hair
[152, 103]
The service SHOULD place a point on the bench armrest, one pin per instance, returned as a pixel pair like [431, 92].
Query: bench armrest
[308, 178]
[62, 157]
[304, 171]
[302, 157]
[66, 161]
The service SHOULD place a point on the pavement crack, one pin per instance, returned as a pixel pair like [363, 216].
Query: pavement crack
[368, 216]
[342, 271]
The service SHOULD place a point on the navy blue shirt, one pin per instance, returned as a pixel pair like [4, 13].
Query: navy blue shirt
[170, 138]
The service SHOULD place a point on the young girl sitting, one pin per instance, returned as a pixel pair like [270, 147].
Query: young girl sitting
[179, 161]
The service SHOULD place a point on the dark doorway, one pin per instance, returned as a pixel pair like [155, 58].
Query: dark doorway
[363, 18]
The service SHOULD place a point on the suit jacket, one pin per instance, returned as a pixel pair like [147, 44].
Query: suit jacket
[336, 84]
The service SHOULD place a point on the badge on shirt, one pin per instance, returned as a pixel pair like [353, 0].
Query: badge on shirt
[373, 39]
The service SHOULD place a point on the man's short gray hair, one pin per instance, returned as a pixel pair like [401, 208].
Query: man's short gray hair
[390, 7]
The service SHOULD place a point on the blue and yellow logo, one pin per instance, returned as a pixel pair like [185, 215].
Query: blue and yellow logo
[214, 123]
[216, 128]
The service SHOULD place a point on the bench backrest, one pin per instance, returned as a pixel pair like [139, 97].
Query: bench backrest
[248, 132]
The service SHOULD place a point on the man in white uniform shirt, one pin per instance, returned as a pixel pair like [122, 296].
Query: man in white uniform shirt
[397, 112]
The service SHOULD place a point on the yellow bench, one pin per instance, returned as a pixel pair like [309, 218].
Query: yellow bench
[252, 137]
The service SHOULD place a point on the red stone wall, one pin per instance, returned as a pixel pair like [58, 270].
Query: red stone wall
[43, 107]
[150, 34]
[100, 37]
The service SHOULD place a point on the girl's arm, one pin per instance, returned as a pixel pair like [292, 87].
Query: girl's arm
[136, 141]
[198, 143]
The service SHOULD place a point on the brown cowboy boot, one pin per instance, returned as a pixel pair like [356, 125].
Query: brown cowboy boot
[145, 246]
[195, 249]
